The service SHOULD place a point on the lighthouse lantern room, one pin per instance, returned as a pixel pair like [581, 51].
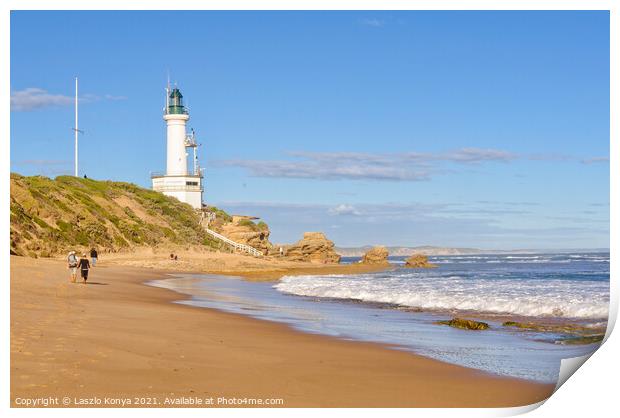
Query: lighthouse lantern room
[178, 181]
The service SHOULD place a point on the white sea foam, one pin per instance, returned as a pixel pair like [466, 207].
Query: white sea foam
[558, 298]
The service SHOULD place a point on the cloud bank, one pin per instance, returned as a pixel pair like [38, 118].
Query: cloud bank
[34, 98]
[408, 166]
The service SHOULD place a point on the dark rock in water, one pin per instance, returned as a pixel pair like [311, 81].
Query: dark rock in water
[589, 339]
[465, 324]
[419, 261]
[574, 329]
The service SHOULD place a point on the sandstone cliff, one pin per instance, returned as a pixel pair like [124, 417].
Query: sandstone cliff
[376, 255]
[243, 230]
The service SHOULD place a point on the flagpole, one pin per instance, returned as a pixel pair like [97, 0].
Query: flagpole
[76, 126]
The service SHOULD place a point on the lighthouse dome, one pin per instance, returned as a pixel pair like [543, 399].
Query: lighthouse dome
[175, 103]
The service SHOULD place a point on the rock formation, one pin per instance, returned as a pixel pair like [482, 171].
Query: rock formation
[465, 324]
[376, 255]
[419, 261]
[243, 230]
[313, 247]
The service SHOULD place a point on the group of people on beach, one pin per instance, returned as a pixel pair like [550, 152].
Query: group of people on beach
[82, 264]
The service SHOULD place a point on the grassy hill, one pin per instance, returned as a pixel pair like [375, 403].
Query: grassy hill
[51, 216]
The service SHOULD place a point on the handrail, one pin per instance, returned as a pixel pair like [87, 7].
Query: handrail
[236, 245]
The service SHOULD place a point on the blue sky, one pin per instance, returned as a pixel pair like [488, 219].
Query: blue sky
[482, 129]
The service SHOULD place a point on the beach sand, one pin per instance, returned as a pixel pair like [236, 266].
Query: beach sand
[116, 337]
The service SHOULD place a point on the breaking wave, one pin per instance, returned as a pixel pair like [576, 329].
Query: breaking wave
[585, 299]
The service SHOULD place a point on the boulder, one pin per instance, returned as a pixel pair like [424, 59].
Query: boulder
[313, 247]
[419, 261]
[376, 255]
[465, 324]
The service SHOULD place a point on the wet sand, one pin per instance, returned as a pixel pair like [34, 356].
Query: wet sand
[116, 337]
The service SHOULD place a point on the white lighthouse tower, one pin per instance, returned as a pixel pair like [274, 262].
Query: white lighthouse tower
[177, 181]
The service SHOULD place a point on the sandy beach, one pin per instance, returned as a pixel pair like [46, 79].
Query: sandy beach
[116, 337]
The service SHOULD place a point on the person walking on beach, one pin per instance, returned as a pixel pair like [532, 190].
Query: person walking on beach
[84, 266]
[93, 256]
[73, 263]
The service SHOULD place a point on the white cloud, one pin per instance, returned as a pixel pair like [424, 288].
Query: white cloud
[344, 209]
[364, 166]
[406, 166]
[478, 155]
[33, 98]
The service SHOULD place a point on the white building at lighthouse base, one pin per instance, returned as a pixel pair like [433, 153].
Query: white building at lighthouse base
[186, 188]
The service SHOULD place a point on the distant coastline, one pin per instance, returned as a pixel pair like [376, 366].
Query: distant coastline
[398, 251]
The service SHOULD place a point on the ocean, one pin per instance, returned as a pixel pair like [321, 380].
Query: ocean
[400, 307]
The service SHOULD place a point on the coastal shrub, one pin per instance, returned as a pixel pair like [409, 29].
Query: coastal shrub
[219, 213]
[247, 222]
[40, 222]
[64, 226]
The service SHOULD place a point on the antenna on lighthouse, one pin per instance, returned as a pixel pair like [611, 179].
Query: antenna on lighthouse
[76, 130]
[167, 94]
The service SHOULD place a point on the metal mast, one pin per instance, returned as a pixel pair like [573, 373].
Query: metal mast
[76, 127]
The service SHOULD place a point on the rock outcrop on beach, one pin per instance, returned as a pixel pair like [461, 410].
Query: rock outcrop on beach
[465, 324]
[419, 261]
[376, 255]
[51, 216]
[571, 333]
[244, 230]
[313, 247]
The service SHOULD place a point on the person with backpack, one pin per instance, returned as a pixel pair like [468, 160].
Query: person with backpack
[84, 266]
[93, 256]
[73, 263]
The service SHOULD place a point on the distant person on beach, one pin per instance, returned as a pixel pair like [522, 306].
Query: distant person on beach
[73, 263]
[281, 251]
[171, 256]
[84, 266]
[93, 256]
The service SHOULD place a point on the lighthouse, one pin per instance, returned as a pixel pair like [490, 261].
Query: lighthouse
[178, 180]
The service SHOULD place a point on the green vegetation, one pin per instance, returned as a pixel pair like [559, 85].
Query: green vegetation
[247, 222]
[220, 214]
[50, 216]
